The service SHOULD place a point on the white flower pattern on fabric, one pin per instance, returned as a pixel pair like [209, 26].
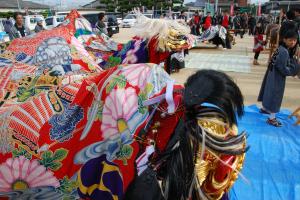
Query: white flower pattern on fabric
[21, 173]
[137, 74]
[120, 113]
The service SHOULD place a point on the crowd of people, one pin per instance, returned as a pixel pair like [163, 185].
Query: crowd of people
[284, 62]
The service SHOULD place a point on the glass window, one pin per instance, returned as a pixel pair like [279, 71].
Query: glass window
[130, 17]
[49, 21]
[148, 15]
[92, 18]
[60, 19]
[33, 20]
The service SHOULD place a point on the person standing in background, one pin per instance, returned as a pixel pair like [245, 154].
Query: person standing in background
[197, 22]
[207, 21]
[39, 26]
[7, 25]
[100, 25]
[258, 42]
[18, 30]
[237, 23]
[225, 20]
[297, 16]
[282, 64]
[226, 23]
[244, 24]
[251, 24]
[182, 16]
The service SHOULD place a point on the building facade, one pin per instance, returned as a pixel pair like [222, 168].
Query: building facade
[222, 4]
[20, 5]
[274, 5]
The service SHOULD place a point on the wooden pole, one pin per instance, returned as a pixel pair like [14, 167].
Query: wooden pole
[277, 40]
[280, 21]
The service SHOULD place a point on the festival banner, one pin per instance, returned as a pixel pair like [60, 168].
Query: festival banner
[231, 9]
[259, 9]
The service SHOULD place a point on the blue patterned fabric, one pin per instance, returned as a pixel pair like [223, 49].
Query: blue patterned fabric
[64, 124]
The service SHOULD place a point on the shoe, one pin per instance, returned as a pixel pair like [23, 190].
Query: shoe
[255, 62]
[274, 122]
[263, 111]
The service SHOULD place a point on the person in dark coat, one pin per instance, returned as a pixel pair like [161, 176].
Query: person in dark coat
[244, 24]
[282, 64]
[297, 17]
[237, 23]
[182, 16]
[251, 24]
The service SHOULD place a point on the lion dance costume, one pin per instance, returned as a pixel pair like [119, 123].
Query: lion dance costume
[71, 130]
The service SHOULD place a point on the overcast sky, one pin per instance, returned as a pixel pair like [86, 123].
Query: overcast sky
[82, 2]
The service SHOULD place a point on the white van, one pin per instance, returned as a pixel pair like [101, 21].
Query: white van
[54, 21]
[30, 21]
[130, 20]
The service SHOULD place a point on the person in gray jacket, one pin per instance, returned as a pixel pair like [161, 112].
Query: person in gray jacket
[100, 25]
[297, 17]
[39, 26]
[18, 30]
[283, 64]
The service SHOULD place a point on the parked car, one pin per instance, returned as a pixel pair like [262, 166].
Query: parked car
[112, 24]
[110, 21]
[3, 35]
[130, 20]
[120, 20]
[30, 21]
[54, 21]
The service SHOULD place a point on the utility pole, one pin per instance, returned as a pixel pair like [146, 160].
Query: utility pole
[19, 5]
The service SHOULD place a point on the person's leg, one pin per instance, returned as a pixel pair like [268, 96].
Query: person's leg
[263, 110]
[223, 43]
[227, 41]
[256, 55]
[273, 121]
[198, 30]
[195, 29]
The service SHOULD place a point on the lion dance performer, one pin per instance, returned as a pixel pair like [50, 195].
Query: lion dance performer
[70, 130]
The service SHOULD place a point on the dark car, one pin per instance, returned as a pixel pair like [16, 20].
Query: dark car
[112, 24]
[110, 21]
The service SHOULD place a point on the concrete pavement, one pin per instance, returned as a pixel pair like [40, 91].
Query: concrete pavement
[249, 83]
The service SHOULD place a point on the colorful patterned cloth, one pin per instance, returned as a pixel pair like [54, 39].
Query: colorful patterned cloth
[67, 124]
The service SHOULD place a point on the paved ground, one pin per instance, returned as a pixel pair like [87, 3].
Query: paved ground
[249, 82]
